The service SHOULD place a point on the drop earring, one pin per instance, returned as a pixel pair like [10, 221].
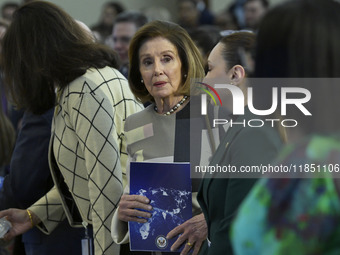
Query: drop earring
[141, 81]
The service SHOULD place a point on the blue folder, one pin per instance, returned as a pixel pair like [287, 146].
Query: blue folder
[168, 187]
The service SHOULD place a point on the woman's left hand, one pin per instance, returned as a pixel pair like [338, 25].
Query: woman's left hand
[193, 232]
[20, 221]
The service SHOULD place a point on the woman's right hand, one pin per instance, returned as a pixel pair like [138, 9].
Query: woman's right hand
[129, 205]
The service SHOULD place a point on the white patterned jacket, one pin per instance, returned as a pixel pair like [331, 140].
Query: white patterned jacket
[88, 148]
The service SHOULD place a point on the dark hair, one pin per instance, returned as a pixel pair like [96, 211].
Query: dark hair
[265, 3]
[7, 138]
[236, 45]
[235, 42]
[206, 37]
[301, 39]
[137, 18]
[43, 48]
[115, 5]
[188, 53]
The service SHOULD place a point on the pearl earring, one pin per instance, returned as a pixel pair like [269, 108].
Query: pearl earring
[141, 81]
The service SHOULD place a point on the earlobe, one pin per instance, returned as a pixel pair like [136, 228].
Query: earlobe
[238, 74]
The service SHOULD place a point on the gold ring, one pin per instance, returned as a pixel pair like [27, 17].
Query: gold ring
[189, 244]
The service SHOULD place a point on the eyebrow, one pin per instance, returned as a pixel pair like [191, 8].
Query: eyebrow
[166, 51]
[163, 52]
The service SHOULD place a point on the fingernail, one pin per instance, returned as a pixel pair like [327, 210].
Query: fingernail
[146, 200]
[149, 207]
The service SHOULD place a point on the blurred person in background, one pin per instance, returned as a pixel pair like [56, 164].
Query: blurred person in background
[103, 29]
[299, 213]
[254, 10]
[29, 179]
[205, 37]
[193, 13]
[125, 26]
[188, 14]
[7, 10]
[157, 13]
[226, 20]
[3, 28]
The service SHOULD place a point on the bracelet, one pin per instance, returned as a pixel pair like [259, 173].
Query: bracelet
[31, 219]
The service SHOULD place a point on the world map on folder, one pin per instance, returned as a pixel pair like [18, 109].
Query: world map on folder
[168, 187]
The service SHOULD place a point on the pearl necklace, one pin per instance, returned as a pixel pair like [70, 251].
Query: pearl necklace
[173, 109]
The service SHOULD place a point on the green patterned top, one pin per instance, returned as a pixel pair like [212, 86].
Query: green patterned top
[294, 215]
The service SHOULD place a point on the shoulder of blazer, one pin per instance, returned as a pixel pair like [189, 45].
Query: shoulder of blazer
[94, 78]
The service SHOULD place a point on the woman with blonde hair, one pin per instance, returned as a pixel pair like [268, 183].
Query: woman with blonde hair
[163, 61]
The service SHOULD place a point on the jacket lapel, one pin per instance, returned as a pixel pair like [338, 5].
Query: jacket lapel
[223, 149]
